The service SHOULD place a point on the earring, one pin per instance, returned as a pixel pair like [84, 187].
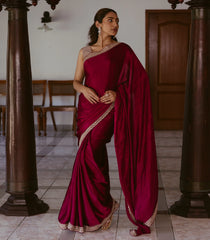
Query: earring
[99, 30]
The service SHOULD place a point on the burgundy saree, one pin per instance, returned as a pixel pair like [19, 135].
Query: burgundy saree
[88, 204]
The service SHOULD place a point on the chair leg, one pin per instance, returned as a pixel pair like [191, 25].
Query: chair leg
[44, 122]
[53, 120]
[39, 120]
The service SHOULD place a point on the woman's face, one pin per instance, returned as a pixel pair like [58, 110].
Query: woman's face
[110, 24]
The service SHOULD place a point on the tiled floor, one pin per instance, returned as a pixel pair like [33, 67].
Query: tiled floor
[55, 157]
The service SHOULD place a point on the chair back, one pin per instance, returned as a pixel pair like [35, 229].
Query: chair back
[61, 88]
[3, 87]
[3, 92]
[39, 89]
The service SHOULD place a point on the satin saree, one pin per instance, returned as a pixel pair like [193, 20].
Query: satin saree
[88, 203]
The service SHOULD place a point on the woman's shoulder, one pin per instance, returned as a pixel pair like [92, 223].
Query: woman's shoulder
[128, 51]
[85, 51]
[85, 48]
[125, 46]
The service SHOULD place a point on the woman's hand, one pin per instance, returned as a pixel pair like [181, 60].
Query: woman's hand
[90, 95]
[108, 97]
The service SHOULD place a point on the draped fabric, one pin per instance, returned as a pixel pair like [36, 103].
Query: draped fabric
[135, 144]
[88, 203]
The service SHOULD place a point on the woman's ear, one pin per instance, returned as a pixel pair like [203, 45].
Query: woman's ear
[97, 23]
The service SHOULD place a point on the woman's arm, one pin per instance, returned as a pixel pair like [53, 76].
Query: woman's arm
[89, 93]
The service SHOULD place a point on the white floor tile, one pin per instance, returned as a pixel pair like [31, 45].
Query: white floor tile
[55, 159]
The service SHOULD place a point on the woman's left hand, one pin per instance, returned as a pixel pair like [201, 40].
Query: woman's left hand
[108, 97]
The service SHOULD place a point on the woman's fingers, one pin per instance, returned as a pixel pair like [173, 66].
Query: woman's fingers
[92, 100]
[90, 95]
[94, 96]
[105, 97]
[108, 97]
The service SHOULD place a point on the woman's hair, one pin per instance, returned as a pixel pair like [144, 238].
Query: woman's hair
[93, 32]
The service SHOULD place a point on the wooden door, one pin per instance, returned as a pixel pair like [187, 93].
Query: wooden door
[167, 43]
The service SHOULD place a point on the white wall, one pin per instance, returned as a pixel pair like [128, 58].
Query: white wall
[54, 53]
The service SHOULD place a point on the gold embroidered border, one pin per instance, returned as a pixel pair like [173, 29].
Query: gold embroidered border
[71, 227]
[150, 221]
[88, 53]
[95, 123]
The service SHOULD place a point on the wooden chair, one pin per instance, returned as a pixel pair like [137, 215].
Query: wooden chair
[39, 90]
[3, 92]
[61, 89]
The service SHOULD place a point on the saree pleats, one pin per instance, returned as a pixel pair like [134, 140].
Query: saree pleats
[88, 202]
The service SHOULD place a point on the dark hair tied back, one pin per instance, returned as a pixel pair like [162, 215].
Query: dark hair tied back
[93, 32]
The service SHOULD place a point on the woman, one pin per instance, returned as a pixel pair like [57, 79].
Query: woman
[114, 98]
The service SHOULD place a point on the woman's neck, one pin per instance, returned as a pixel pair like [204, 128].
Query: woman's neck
[103, 41]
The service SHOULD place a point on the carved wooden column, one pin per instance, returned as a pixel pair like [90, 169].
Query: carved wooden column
[195, 167]
[21, 179]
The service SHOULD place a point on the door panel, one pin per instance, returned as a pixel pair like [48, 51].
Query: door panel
[166, 111]
[167, 43]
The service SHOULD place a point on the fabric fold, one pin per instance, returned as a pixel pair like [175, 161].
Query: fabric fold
[135, 143]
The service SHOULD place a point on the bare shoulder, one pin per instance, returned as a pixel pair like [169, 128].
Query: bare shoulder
[84, 52]
[80, 53]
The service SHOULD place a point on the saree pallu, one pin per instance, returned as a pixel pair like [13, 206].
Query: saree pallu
[88, 203]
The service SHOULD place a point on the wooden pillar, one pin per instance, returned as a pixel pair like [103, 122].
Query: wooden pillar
[195, 167]
[21, 179]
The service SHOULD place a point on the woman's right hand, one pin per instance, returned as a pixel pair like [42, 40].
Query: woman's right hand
[90, 95]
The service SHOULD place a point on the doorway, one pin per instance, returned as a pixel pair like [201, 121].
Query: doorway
[167, 44]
